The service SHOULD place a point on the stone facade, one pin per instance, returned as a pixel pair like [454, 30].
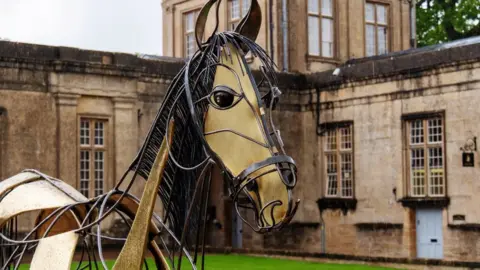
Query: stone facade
[44, 91]
[348, 36]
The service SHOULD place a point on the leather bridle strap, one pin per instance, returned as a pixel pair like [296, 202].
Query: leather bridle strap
[278, 159]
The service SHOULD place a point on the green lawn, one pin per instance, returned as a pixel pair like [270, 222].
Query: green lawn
[241, 262]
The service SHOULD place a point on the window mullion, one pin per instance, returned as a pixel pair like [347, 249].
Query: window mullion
[339, 164]
[425, 157]
[91, 150]
[320, 27]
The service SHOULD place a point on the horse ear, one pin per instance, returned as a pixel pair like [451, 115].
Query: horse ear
[249, 26]
[202, 20]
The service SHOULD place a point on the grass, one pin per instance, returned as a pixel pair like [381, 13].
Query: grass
[241, 262]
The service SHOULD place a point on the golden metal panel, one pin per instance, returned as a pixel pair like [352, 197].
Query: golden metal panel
[236, 152]
[55, 252]
[132, 254]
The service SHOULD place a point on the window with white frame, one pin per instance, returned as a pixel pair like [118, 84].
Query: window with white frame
[237, 9]
[376, 29]
[92, 165]
[426, 157]
[321, 28]
[338, 156]
[190, 44]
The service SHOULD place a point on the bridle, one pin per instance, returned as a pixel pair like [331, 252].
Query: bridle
[241, 185]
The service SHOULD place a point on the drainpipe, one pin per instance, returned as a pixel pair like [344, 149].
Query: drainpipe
[270, 13]
[285, 34]
[413, 24]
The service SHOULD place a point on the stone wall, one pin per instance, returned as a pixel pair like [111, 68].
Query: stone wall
[44, 90]
[375, 95]
[349, 28]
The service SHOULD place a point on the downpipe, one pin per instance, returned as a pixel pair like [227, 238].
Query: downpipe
[285, 35]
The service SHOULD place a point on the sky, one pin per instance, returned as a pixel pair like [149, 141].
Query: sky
[131, 26]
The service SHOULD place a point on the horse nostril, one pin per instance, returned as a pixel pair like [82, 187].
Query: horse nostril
[252, 186]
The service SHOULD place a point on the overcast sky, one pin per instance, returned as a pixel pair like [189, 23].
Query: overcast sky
[114, 25]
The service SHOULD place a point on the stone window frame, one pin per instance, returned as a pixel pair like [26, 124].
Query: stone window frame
[338, 152]
[189, 32]
[321, 16]
[387, 25]
[92, 148]
[232, 23]
[426, 146]
[243, 6]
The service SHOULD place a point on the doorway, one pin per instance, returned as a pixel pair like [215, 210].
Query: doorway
[429, 233]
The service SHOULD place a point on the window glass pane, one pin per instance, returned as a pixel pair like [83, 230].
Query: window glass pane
[435, 176]
[416, 132]
[369, 13]
[99, 172]
[382, 39]
[370, 39]
[346, 173]
[417, 171]
[435, 130]
[327, 37]
[313, 36]
[235, 9]
[84, 132]
[84, 172]
[345, 138]
[327, 7]
[381, 14]
[99, 134]
[190, 45]
[313, 6]
[331, 165]
[331, 140]
[245, 7]
[189, 21]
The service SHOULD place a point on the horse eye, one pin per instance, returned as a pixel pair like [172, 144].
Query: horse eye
[223, 99]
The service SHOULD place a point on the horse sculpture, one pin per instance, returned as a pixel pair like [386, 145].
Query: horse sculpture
[213, 114]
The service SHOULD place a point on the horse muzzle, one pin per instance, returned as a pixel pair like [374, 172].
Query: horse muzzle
[271, 215]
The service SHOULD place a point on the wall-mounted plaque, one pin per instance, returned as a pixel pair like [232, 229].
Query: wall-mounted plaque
[468, 159]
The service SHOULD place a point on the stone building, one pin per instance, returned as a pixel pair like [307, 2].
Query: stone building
[319, 34]
[386, 145]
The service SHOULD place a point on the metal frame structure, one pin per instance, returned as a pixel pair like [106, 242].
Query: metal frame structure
[176, 160]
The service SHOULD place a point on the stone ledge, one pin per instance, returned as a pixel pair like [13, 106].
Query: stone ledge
[410, 63]
[465, 227]
[413, 202]
[379, 226]
[332, 256]
[343, 204]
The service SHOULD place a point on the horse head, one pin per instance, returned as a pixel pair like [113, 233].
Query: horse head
[235, 120]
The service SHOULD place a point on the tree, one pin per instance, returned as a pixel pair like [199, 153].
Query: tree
[445, 20]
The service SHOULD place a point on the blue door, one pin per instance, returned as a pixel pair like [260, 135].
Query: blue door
[429, 233]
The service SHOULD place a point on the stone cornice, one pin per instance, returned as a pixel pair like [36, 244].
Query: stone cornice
[65, 59]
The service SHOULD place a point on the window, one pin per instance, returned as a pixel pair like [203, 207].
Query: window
[376, 29]
[338, 152]
[320, 28]
[92, 156]
[425, 157]
[189, 42]
[237, 9]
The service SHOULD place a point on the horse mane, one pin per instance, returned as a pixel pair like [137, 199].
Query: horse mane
[187, 148]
